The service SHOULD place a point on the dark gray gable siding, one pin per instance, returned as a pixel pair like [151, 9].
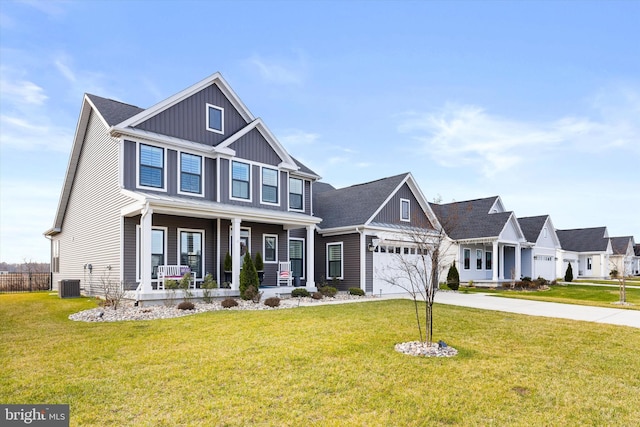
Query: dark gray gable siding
[351, 260]
[253, 146]
[390, 212]
[187, 119]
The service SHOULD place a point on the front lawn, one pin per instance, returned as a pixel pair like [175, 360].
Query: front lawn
[600, 296]
[317, 366]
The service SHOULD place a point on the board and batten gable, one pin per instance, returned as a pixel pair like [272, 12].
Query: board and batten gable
[390, 212]
[187, 119]
[91, 231]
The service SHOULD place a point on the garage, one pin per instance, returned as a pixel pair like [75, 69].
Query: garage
[544, 266]
[389, 276]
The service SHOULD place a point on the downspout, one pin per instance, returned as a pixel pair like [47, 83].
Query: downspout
[363, 260]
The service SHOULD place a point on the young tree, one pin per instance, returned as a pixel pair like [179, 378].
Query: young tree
[615, 274]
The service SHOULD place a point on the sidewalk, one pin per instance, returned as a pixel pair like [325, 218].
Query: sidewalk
[613, 316]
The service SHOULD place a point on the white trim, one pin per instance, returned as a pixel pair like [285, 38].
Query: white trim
[408, 219]
[139, 255]
[341, 244]
[208, 108]
[289, 178]
[231, 241]
[264, 250]
[463, 251]
[164, 168]
[179, 173]
[199, 274]
[304, 254]
[239, 199]
[262, 202]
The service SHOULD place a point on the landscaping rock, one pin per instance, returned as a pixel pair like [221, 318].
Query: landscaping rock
[419, 348]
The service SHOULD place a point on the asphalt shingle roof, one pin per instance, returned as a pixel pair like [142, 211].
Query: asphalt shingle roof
[114, 112]
[583, 239]
[351, 206]
[619, 245]
[532, 226]
[471, 219]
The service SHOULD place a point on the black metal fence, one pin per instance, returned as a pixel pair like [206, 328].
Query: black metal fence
[25, 282]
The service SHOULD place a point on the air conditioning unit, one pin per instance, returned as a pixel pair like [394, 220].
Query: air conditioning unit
[69, 288]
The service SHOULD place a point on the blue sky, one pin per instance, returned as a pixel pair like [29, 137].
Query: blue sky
[537, 102]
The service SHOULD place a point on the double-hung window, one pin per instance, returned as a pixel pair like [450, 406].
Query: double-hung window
[151, 167]
[295, 193]
[240, 178]
[334, 260]
[405, 210]
[269, 185]
[478, 259]
[488, 261]
[190, 173]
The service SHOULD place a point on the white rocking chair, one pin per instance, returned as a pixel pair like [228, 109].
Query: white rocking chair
[284, 273]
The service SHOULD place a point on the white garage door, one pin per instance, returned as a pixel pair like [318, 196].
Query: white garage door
[387, 268]
[544, 266]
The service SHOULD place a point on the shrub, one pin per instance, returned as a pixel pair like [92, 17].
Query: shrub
[328, 291]
[252, 294]
[453, 277]
[185, 285]
[317, 295]
[248, 276]
[526, 279]
[541, 282]
[613, 273]
[299, 292]
[259, 264]
[207, 284]
[229, 302]
[356, 291]
[272, 302]
[186, 305]
[228, 262]
[568, 276]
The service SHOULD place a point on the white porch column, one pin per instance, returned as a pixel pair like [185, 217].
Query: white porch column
[145, 249]
[518, 255]
[235, 249]
[494, 262]
[501, 259]
[311, 231]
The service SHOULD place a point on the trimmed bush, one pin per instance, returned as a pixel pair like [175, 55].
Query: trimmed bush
[568, 276]
[186, 305]
[356, 291]
[317, 295]
[328, 291]
[272, 302]
[252, 294]
[229, 302]
[453, 277]
[299, 292]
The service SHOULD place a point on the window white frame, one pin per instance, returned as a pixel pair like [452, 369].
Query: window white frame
[479, 258]
[466, 259]
[138, 247]
[301, 209]
[202, 180]
[164, 167]
[221, 110]
[488, 260]
[403, 203]
[199, 274]
[264, 248]
[304, 254]
[247, 237]
[329, 276]
[262, 185]
[231, 196]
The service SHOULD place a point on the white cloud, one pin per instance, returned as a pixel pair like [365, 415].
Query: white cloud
[22, 92]
[280, 71]
[292, 137]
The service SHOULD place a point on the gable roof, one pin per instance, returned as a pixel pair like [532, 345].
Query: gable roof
[472, 219]
[532, 226]
[636, 249]
[619, 245]
[113, 112]
[584, 239]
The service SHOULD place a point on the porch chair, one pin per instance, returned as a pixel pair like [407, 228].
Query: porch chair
[284, 273]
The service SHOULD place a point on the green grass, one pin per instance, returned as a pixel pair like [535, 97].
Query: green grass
[317, 366]
[599, 296]
[632, 281]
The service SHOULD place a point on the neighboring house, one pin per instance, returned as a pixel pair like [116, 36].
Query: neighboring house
[623, 256]
[539, 259]
[636, 260]
[486, 239]
[365, 228]
[180, 183]
[587, 250]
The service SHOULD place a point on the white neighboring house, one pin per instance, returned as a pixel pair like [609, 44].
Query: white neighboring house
[539, 260]
[486, 239]
[636, 260]
[623, 256]
[587, 250]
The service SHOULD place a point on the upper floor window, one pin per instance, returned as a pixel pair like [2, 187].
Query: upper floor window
[151, 172]
[190, 173]
[405, 210]
[295, 193]
[269, 185]
[240, 178]
[215, 119]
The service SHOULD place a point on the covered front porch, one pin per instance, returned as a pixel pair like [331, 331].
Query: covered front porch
[489, 261]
